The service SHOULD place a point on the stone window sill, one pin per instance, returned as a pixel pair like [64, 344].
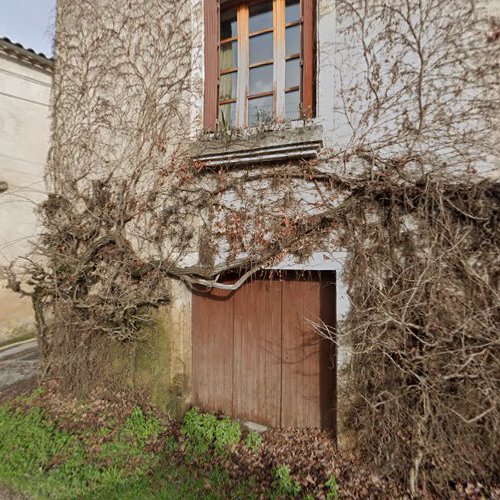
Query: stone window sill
[260, 146]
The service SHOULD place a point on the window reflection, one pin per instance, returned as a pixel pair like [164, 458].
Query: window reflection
[261, 16]
[227, 114]
[261, 48]
[228, 86]
[292, 40]
[262, 73]
[292, 76]
[261, 79]
[229, 55]
[292, 105]
[228, 26]
[260, 110]
[292, 13]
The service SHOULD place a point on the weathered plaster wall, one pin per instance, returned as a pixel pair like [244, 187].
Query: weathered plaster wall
[326, 80]
[177, 323]
[158, 366]
[123, 83]
[24, 143]
[493, 7]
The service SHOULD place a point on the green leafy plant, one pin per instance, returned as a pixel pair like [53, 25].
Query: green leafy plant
[130, 442]
[35, 394]
[283, 484]
[199, 430]
[171, 445]
[253, 441]
[141, 428]
[204, 432]
[331, 486]
[227, 434]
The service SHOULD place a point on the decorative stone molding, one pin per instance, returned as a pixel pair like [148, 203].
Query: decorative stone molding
[259, 147]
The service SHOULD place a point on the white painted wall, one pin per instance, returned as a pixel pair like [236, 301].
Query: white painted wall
[326, 69]
[24, 143]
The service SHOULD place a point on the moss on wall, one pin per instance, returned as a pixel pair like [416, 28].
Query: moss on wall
[152, 365]
[157, 367]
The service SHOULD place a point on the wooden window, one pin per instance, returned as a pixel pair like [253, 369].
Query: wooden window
[259, 61]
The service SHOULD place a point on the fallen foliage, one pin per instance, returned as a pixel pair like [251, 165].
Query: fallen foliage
[310, 456]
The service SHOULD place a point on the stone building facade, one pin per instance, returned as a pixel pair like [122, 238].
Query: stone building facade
[233, 86]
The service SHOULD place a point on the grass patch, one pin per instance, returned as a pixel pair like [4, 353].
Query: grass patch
[332, 486]
[134, 460]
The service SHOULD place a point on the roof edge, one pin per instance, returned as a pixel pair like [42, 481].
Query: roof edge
[26, 55]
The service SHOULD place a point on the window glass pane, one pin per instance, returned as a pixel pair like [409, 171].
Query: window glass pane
[260, 110]
[261, 48]
[292, 105]
[292, 11]
[229, 55]
[228, 26]
[261, 79]
[292, 40]
[292, 76]
[228, 86]
[261, 16]
[227, 115]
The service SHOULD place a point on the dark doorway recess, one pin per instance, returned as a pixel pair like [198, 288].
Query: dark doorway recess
[257, 354]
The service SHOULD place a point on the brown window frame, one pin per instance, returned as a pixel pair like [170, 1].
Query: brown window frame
[307, 56]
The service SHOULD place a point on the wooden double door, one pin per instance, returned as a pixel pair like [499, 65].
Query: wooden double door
[257, 354]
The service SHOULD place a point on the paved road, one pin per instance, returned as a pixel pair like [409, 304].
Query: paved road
[18, 366]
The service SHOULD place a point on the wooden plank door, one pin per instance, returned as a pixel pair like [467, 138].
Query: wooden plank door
[257, 356]
[257, 352]
[212, 351]
[308, 369]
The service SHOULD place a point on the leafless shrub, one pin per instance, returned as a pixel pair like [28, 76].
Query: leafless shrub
[423, 329]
